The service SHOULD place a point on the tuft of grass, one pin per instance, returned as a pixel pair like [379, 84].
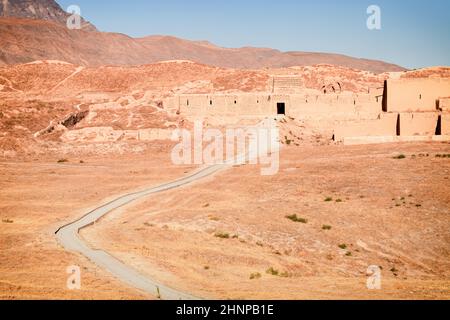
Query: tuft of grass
[255, 275]
[400, 156]
[343, 246]
[294, 218]
[213, 218]
[348, 254]
[147, 224]
[326, 227]
[222, 235]
[63, 160]
[285, 274]
[272, 271]
[206, 205]
[7, 221]
[394, 271]
[328, 199]
[206, 267]
[81, 161]
[339, 200]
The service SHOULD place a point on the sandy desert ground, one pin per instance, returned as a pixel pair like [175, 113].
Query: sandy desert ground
[211, 238]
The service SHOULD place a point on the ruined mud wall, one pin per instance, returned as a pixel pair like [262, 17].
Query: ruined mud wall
[415, 95]
[300, 106]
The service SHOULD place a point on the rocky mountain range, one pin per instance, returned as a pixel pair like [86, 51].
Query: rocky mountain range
[36, 30]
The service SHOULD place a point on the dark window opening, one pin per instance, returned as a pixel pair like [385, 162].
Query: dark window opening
[420, 96]
[235, 102]
[281, 108]
[439, 126]
[398, 125]
[384, 103]
[187, 102]
[210, 102]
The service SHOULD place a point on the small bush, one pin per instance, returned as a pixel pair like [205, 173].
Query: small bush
[343, 246]
[63, 160]
[339, 200]
[348, 254]
[255, 275]
[401, 156]
[222, 235]
[328, 199]
[326, 227]
[272, 271]
[7, 221]
[206, 267]
[296, 219]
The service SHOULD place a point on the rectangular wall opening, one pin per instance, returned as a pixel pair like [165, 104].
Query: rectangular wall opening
[281, 108]
[439, 126]
[398, 125]
[384, 102]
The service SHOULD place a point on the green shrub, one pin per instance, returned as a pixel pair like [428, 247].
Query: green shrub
[343, 246]
[328, 199]
[401, 156]
[272, 271]
[296, 219]
[326, 227]
[222, 235]
[255, 275]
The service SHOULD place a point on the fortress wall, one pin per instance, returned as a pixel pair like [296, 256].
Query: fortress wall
[418, 124]
[386, 125]
[445, 124]
[410, 95]
[444, 104]
[300, 106]
[210, 105]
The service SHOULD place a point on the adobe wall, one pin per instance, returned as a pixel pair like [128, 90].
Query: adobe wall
[413, 95]
[445, 124]
[386, 125]
[444, 104]
[418, 124]
[299, 106]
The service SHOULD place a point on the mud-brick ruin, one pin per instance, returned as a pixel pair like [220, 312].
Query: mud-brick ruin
[404, 110]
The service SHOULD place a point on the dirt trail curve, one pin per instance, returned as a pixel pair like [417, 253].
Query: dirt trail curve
[68, 235]
[77, 71]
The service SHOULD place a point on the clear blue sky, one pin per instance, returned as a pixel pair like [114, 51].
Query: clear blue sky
[415, 33]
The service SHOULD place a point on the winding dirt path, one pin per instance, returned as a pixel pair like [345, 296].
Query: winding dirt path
[68, 237]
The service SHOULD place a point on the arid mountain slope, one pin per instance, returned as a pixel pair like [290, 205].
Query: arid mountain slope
[25, 40]
[38, 9]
